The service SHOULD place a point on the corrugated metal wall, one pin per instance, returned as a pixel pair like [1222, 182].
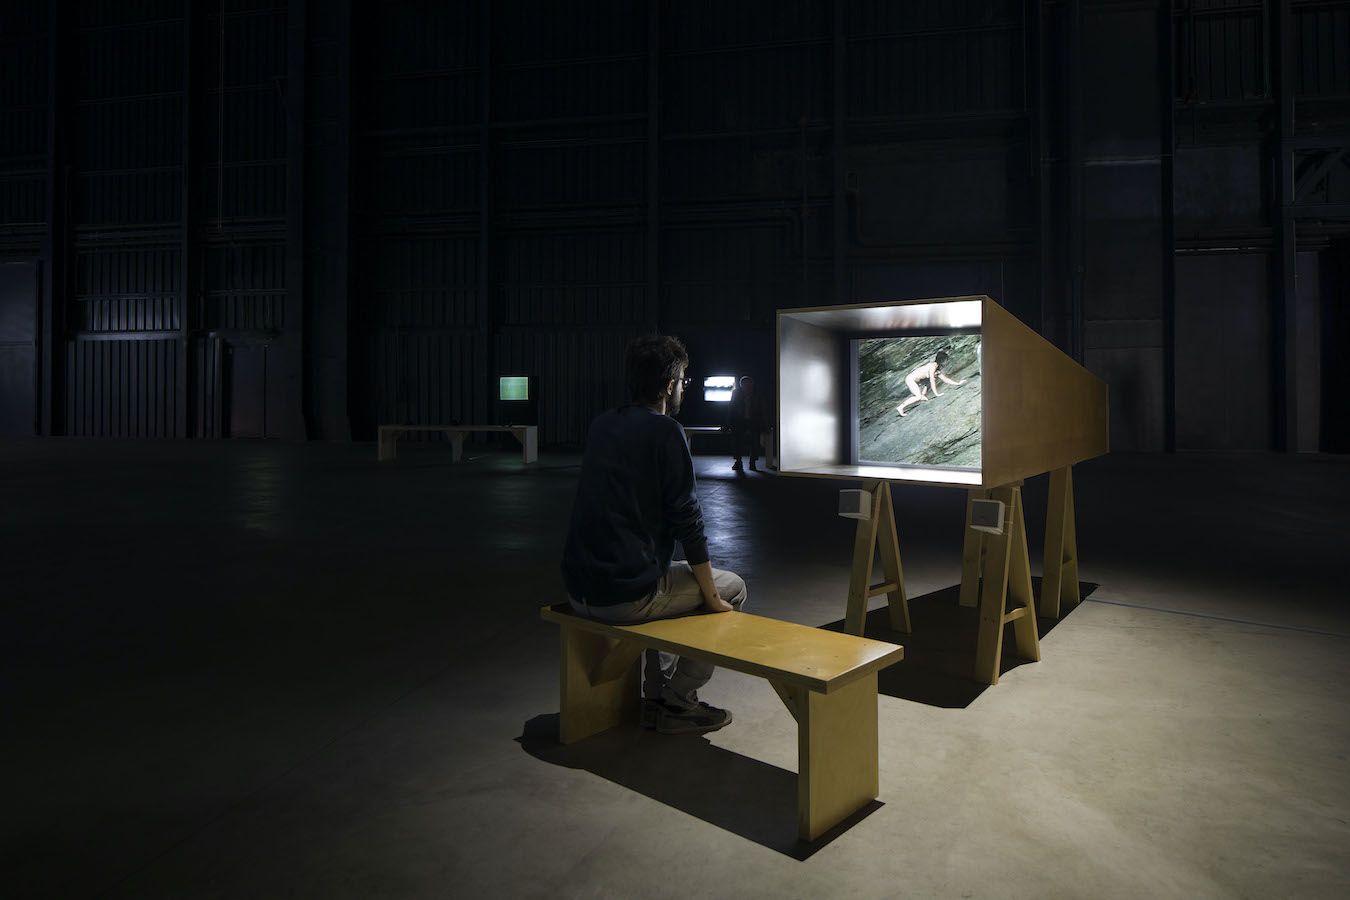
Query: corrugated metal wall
[144, 268]
[466, 188]
[1228, 314]
[23, 123]
[452, 292]
[239, 239]
[1322, 43]
[1221, 51]
[120, 290]
[123, 388]
[935, 59]
[126, 310]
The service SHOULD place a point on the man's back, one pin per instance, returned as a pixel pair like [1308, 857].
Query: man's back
[636, 496]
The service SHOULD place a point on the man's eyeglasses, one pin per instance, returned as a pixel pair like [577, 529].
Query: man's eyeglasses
[685, 382]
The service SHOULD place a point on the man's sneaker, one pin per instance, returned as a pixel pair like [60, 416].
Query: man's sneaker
[671, 719]
[736, 466]
[649, 712]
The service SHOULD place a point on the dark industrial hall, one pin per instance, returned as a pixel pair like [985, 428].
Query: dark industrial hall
[665, 448]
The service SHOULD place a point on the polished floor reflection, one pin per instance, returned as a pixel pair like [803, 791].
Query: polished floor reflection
[267, 670]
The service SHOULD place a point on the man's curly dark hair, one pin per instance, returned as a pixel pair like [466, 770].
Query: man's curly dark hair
[649, 364]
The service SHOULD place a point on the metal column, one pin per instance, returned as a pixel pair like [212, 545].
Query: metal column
[1284, 305]
[294, 342]
[839, 212]
[652, 314]
[55, 249]
[486, 329]
[1076, 154]
[1167, 144]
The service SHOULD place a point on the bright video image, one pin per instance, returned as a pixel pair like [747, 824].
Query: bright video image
[919, 400]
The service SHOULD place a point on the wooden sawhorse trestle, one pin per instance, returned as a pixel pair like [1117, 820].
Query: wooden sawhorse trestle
[1002, 561]
[1059, 576]
[877, 532]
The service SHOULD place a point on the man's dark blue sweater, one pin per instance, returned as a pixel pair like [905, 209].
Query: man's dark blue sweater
[636, 497]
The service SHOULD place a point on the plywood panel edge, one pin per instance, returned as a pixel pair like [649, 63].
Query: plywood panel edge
[912, 301]
[1042, 410]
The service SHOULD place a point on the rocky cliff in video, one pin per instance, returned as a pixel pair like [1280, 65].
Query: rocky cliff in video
[919, 400]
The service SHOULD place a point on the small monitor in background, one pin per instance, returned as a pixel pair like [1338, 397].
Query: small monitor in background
[513, 387]
[718, 388]
[517, 400]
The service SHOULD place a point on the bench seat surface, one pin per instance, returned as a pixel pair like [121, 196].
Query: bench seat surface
[783, 652]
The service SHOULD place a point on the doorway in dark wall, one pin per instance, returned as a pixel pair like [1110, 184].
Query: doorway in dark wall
[1335, 312]
[18, 349]
[1223, 376]
[251, 374]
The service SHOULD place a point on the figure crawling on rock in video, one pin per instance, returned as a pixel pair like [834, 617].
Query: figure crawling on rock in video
[930, 371]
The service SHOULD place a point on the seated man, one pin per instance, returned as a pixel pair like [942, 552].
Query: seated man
[637, 496]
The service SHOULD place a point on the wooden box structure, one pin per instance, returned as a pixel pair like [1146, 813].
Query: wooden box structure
[1040, 410]
[1037, 411]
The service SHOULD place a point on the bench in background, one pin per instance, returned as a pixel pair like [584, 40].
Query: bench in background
[528, 435]
[766, 440]
[827, 680]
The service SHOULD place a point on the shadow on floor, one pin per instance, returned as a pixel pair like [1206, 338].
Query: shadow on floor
[741, 795]
[940, 651]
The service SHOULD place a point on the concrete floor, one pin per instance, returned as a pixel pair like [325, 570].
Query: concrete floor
[258, 670]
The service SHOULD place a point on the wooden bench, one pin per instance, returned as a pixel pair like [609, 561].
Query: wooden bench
[528, 435]
[827, 680]
[766, 439]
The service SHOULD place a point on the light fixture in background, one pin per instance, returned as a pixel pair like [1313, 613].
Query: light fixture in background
[718, 388]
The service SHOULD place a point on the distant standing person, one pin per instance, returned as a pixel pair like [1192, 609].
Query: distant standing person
[932, 371]
[745, 421]
[636, 497]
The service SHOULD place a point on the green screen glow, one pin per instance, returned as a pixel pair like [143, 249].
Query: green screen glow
[514, 387]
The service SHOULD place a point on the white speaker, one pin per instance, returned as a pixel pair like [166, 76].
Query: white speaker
[855, 504]
[987, 516]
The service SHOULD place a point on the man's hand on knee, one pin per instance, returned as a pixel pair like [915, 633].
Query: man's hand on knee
[712, 600]
[716, 604]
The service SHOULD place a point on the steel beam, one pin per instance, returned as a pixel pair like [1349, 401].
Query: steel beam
[1167, 145]
[190, 239]
[1284, 305]
[55, 246]
[294, 341]
[652, 314]
[1076, 154]
[1038, 106]
[839, 212]
[486, 328]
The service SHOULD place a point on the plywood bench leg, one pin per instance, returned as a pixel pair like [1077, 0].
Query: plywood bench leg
[456, 445]
[387, 438]
[529, 442]
[836, 755]
[599, 684]
[791, 697]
